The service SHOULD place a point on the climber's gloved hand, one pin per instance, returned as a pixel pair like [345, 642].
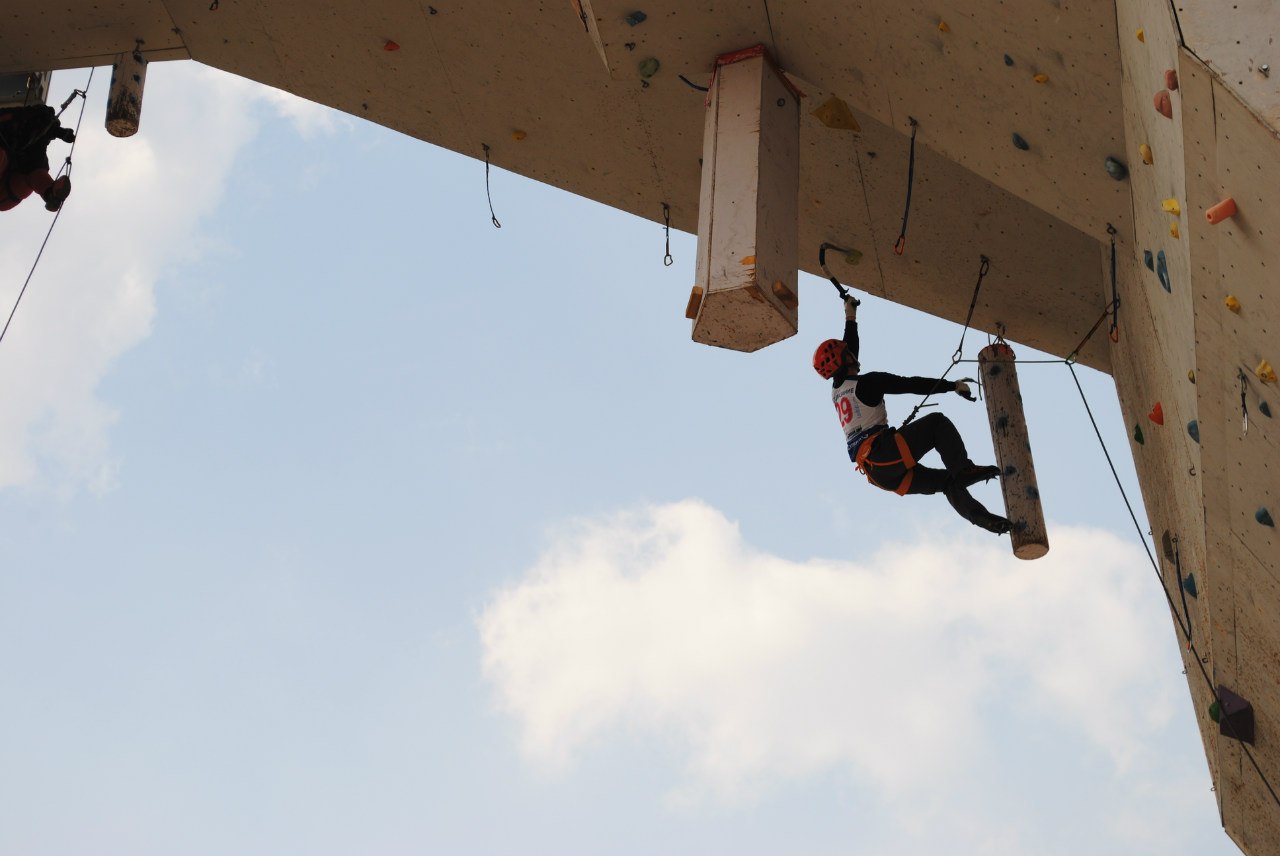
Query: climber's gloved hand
[962, 388]
[850, 307]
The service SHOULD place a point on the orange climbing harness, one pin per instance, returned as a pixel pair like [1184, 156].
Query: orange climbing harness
[866, 467]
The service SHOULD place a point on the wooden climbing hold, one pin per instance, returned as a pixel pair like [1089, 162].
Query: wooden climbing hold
[1265, 373]
[1157, 414]
[1145, 151]
[1171, 79]
[1264, 517]
[1164, 105]
[1171, 205]
[695, 303]
[1013, 451]
[1232, 303]
[1222, 211]
[1193, 430]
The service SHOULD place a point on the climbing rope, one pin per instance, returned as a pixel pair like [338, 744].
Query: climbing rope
[901, 245]
[487, 194]
[1115, 294]
[666, 229]
[66, 168]
[984, 266]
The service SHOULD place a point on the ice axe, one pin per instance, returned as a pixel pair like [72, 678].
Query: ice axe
[822, 262]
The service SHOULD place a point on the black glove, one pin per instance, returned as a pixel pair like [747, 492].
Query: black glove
[65, 134]
[962, 389]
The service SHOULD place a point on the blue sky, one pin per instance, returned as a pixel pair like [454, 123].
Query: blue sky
[337, 520]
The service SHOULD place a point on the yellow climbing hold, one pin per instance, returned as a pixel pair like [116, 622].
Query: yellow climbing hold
[1141, 34]
[1041, 78]
[836, 114]
[1145, 151]
[1173, 230]
[1172, 206]
[944, 26]
[748, 260]
[1191, 375]
[518, 135]
[1232, 303]
[1265, 373]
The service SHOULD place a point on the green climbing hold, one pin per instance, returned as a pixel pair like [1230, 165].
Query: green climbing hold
[1137, 435]
[1264, 517]
[1264, 409]
[1149, 260]
[649, 67]
[1215, 711]
[1189, 585]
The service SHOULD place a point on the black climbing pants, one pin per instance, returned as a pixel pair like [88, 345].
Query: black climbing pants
[934, 431]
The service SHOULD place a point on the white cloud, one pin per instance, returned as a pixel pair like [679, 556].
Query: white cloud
[889, 666]
[134, 215]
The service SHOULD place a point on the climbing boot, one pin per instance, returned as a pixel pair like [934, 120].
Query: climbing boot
[972, 474]
[57, 193]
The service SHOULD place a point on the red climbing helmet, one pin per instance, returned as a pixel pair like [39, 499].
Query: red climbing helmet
[828, 358]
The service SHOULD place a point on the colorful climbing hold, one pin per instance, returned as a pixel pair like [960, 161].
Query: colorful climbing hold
[1162, 271]
[1170, 79]
[649, 67]
[1222, 211]
[518, 135]
[1171, 205]
[1232, 303]
[390, 46]
[1191, 375]
[1265, 373]
[1193, 429]
[1189, 585]
[1008, 60]
[1141, 34]
[943, 26]
[1041, 78]
[1174, 232]
[853, 256]
[1020, 143]
[1116, 169]
[1264, 517]
[836, 114]
[1145, 151]
[1164, 105]
[1264, 409]
[1148, 260]
[1137, 435]
[636, 17]
[1157, 414]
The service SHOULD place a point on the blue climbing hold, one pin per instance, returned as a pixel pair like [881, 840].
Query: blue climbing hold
[1264, 517]
[636, 17]
[1116, 169]
[1193, 428]
[1264, 409]
[1020, 143]
[1148, 260]
[1032, 492]
[1162, 271]
[1189, 585]
[1008, 60]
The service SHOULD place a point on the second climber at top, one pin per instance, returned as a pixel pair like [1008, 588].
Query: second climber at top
[889, 457]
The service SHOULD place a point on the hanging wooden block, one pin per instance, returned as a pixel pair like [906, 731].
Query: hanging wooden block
[748, 237]
[1013, 451]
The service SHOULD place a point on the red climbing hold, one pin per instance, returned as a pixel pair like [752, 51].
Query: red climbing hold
[1223, 210]
[1157, 414]
[1170, 79]
[1164, 104]
[390, 46]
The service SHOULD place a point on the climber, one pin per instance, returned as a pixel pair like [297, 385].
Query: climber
[25, 134]
[888, 456]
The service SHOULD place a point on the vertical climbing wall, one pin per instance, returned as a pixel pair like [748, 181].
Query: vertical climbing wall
[1198, 322]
